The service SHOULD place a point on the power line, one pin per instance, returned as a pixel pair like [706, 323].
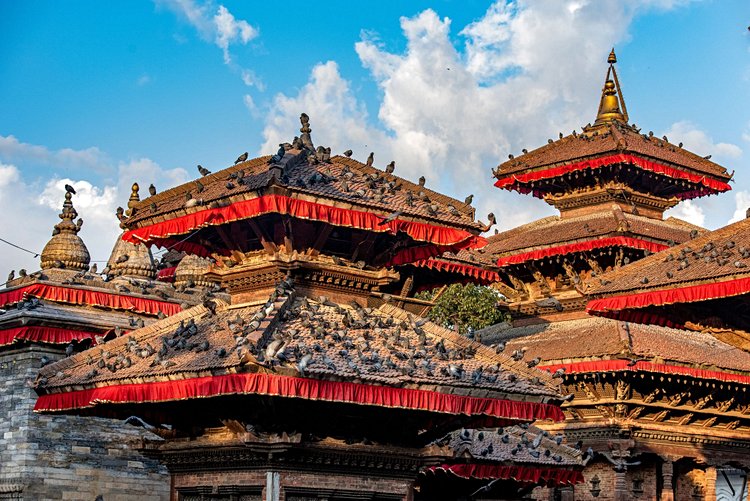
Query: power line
[35, 254]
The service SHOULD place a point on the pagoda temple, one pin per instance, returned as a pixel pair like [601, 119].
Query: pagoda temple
[312, 378]
[665, 409]
[701, 285]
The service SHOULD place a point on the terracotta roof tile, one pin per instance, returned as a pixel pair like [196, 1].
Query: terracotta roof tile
[513, 444]
[553, 231]
[723, 254]
[611, 140]
[602, 338]
[343, 180]
[299, 336]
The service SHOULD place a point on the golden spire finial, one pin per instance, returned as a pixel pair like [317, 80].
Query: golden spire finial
[134, 196]
[612, 59]
[612, 105]
[66, 249]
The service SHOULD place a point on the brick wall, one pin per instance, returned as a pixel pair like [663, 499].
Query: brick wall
[66, 457]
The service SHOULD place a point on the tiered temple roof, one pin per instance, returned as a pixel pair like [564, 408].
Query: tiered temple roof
[702, 284]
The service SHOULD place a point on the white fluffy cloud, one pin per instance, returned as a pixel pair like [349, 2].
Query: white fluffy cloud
[742, 204]
[689, 211]
[525, 71]
[230, 30]
[214, 24]
[11, 149]
[40, 202]
[701, 143]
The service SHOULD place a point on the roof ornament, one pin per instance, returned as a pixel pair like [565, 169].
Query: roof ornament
[66, 249]
[612, 105]
[305, 138]
[133, 200]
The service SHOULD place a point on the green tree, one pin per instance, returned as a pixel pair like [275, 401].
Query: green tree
[461, 307]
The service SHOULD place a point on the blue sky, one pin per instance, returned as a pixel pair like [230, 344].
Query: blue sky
[102, 94]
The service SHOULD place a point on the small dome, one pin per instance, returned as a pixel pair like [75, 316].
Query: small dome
[193, 268]
[131, 260]
[66, 249]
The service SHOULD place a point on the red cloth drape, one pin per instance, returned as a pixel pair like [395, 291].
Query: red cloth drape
[287, 386]
[166, 274]
[635, 243]
[525, 474]
[710, 184]
[622, 365]
[703, 292]
[485, 276]
[42, 334]
[303, 209]
[70, 295]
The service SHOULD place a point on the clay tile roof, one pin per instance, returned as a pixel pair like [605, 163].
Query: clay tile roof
[593, 338]
[512, 444]
[615, 139]
[297, 336]
[720, 255]
[554, 231]
[342, 181]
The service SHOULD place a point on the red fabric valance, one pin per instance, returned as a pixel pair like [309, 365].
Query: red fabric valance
[635, 243]
[622, 365]
[166, 274]
[485, 276]
[303, 209]
[296, 387]
[703, 292]
[522, 474]
[69, 295]
[41, 334]
[711, 184]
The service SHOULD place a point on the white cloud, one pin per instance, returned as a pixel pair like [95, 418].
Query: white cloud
[689, 211]
[41, 203]
[525, 72]
[13, 150]
[216, 25]
[701, 143]
[742, 204]
[230, 30]
[143, 80]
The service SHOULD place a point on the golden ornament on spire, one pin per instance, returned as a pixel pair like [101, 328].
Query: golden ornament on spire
[612, 106]
[66, 249]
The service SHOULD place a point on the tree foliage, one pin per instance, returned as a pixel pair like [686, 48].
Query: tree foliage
[461, 307]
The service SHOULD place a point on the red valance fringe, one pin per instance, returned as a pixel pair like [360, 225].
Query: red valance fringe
[635, 243]
[302, 209]
[69, 295]
[643, 366]
[166, 274]
[295, 387]
[597, 163]
[703, 292]
[523, 474]
[42, 334]
[485, 276]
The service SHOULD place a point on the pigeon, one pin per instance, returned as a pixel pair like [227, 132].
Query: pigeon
[468, 199]
[390, 167]
[348, 153]
[534, 362]
[152, 190]
[70, 189]
[421, 181]
[390, 217]
[203, 171]
[241, 158]
[370, 159]
[11, 275]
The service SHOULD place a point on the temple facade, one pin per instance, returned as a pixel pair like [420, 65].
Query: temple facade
[662, 407]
